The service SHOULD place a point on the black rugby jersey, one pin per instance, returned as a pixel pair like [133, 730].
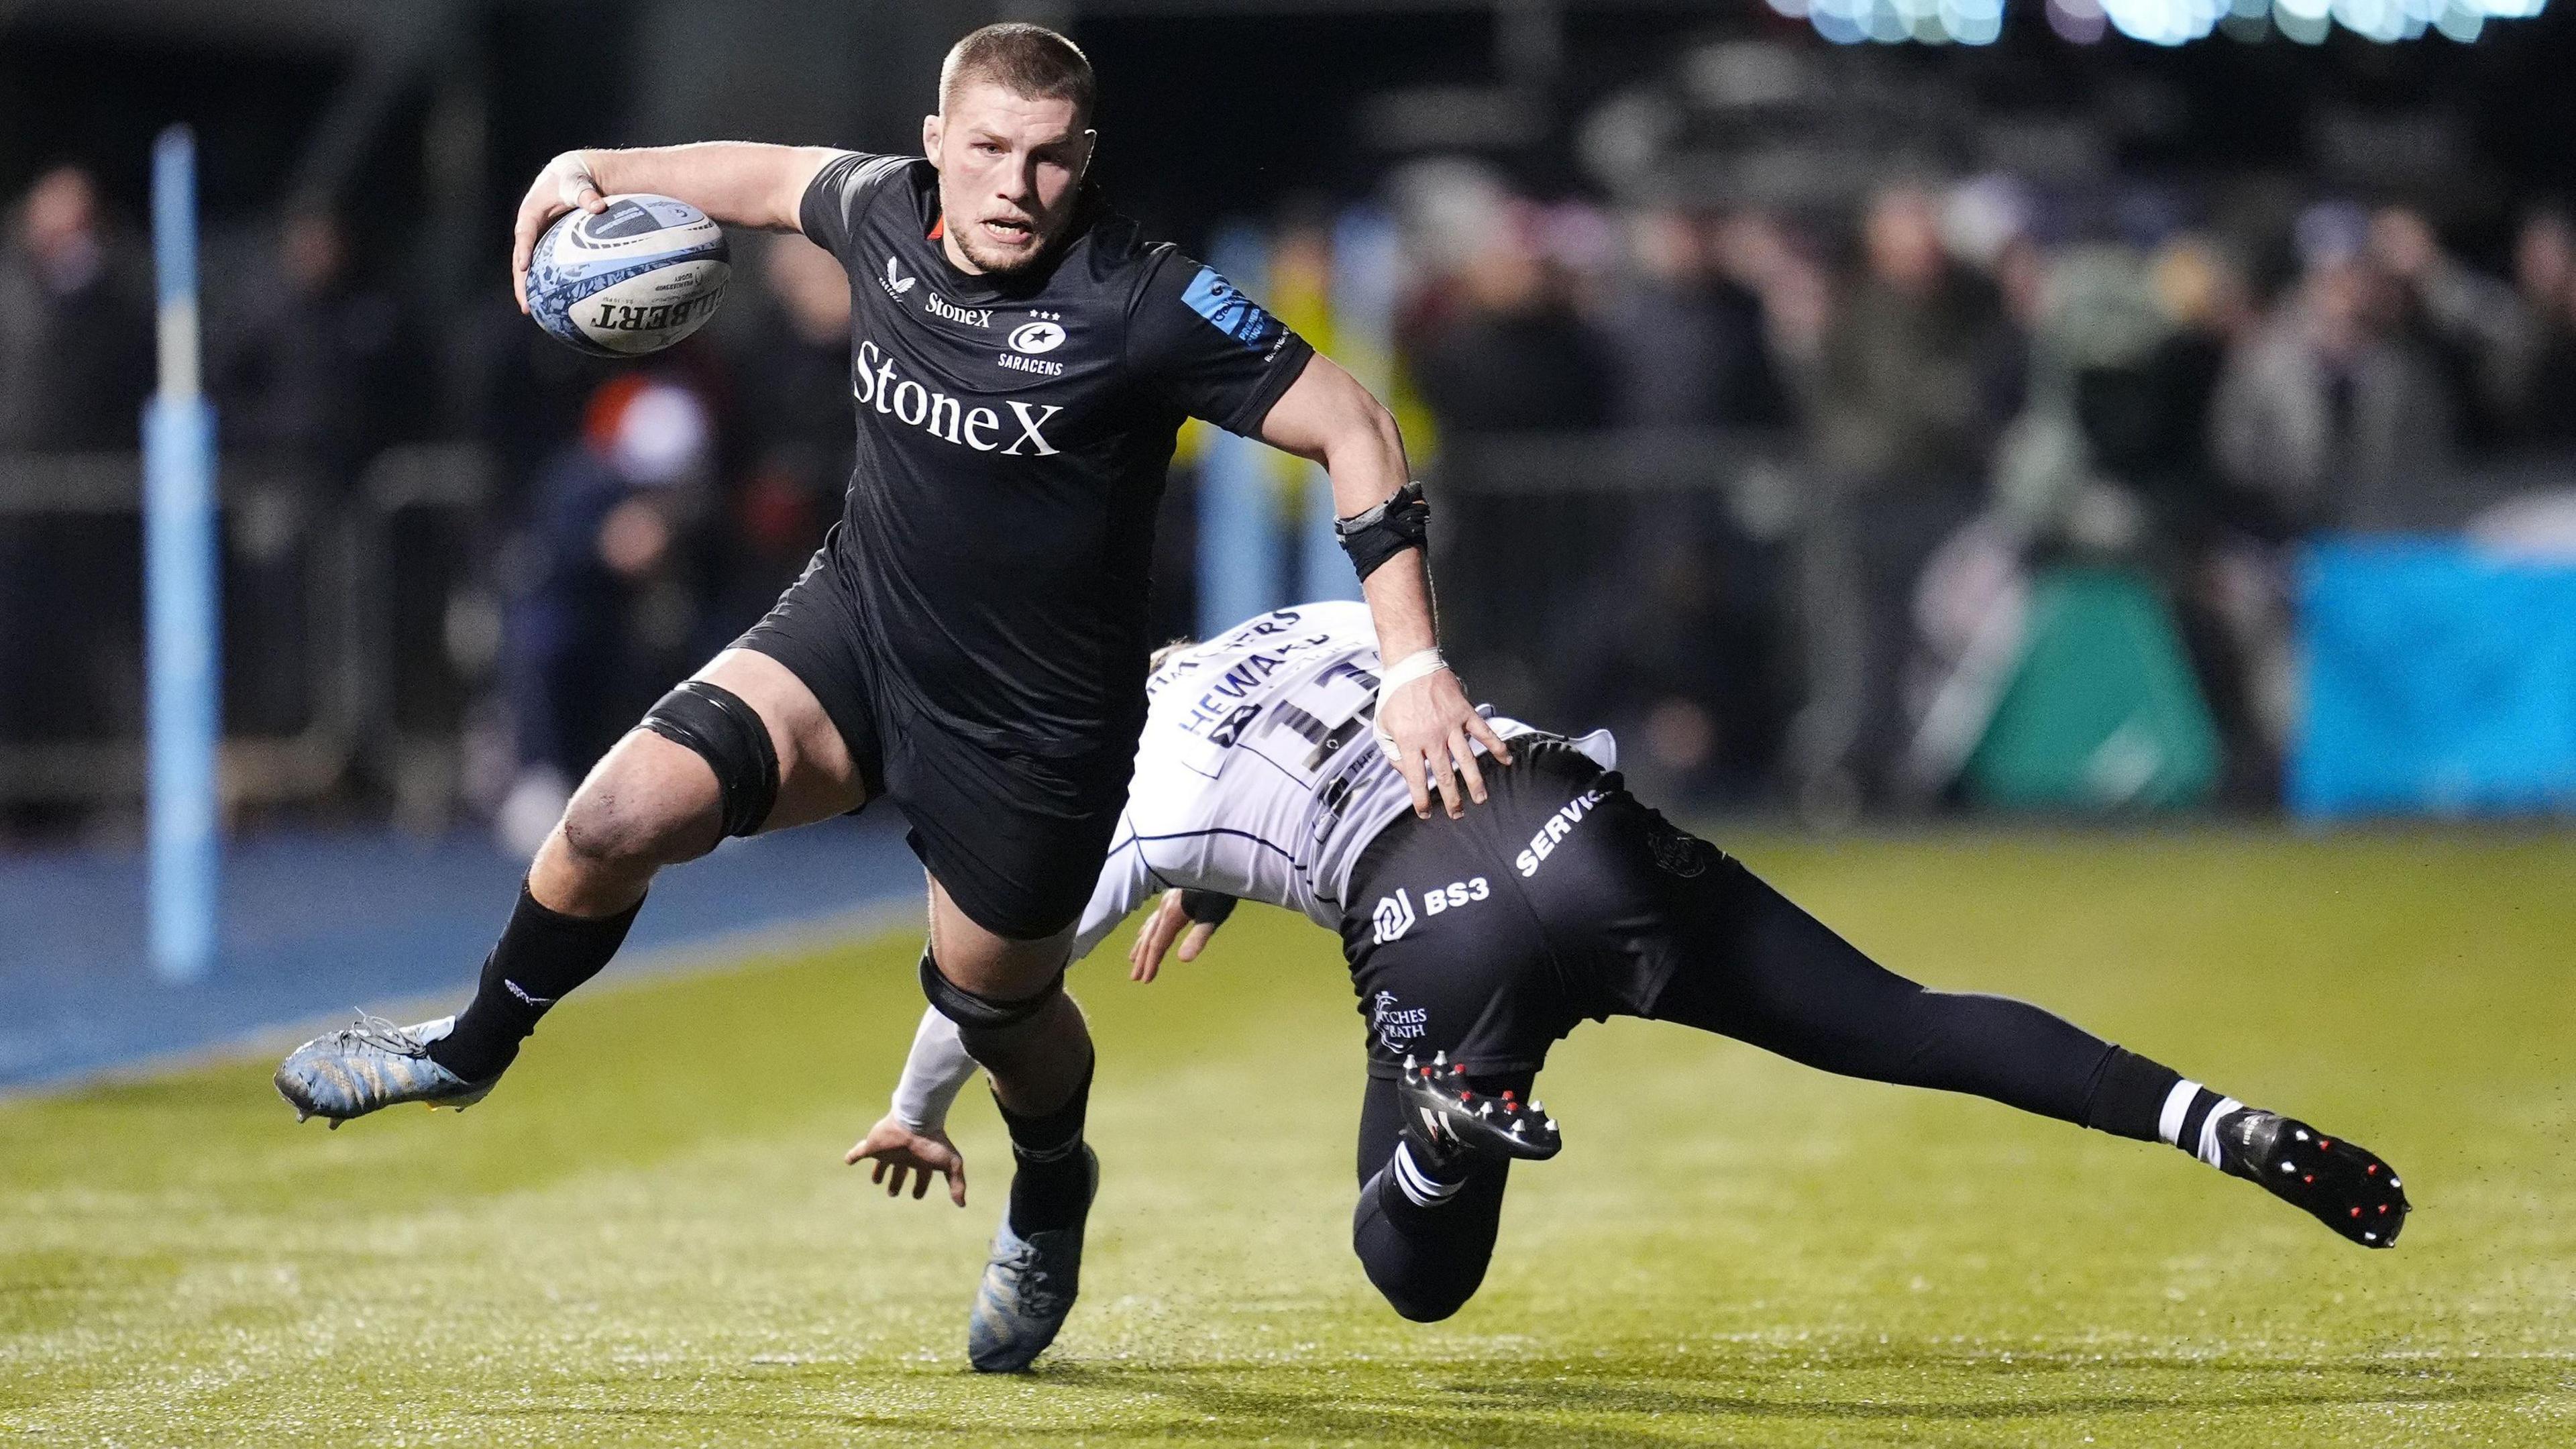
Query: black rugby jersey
[1012, 440]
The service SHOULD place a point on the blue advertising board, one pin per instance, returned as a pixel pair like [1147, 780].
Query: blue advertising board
[2440, 679]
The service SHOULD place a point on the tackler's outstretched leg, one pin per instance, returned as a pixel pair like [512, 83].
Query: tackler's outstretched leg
[1759, 969]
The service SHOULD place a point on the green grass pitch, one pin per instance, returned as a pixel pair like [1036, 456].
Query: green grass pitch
[646, 1236]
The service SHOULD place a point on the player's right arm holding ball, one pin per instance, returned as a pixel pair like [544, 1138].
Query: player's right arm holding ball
[738, 183]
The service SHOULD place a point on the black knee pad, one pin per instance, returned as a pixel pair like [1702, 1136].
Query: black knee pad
[729, 736]
[974, 1012]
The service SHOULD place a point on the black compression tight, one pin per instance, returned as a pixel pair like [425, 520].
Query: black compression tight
[1427, 1261]
[1767, 973]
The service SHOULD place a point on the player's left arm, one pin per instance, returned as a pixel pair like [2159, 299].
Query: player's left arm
[1327, 417]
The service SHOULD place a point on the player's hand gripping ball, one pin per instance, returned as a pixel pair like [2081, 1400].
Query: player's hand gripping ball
[632, 279]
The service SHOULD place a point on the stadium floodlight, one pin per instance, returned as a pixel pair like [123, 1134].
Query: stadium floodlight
[2156, 22]
[181, 652]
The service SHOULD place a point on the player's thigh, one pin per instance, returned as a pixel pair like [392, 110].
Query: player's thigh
[1750, 963]
[987, 963]
[817, 776]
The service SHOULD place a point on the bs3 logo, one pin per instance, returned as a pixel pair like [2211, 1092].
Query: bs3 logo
[1393, 916]
[1455, 894]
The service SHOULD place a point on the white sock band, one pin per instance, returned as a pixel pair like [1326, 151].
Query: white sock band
[2177, 1103]
[2209, 1130]
[1419, 1187]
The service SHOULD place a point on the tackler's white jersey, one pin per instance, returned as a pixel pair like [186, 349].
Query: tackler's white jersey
[1258, 773]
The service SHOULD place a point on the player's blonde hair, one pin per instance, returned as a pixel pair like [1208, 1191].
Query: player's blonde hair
[1164, 655]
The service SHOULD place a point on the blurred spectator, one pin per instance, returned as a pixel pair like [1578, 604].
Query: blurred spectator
[2112, 463]
[1505, 349]
[75, 330]
[317, 369]
[603, 608]
[76, 355]
[1688, 343]
[2545, 275]
[2330, 409]
[1920, 369]
[794, 371]
[1754, 250]
[1682, 653]
[310, 380]
[2472, 329]
[1685, 660]
[1500, 348]
[1918, 365]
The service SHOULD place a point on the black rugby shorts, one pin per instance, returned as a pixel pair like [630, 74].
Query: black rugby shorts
[1488, 937]
[1016, 838]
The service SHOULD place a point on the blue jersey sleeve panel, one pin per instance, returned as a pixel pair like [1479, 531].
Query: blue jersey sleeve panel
[1214, 352]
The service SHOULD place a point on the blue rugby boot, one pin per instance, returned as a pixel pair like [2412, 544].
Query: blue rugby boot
[1028, 1288]
[357, 1069]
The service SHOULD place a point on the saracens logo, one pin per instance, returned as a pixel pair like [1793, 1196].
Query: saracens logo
[1393, 917]
[1043, 333]
[874, 384]
[1040, 336]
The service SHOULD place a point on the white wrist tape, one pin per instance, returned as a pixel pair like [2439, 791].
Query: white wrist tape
[1420, 664]
[571, 187]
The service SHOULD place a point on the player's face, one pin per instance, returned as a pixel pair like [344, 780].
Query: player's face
[1008, 170]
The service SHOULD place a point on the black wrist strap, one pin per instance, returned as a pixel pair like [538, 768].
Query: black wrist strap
[1375, 535]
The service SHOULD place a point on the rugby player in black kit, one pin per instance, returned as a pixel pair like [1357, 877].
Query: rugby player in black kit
[970, 641]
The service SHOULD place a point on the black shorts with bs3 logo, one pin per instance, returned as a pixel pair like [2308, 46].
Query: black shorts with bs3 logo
[1560, 898]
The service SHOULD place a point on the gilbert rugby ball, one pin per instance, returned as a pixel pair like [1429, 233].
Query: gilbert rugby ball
[633, 279]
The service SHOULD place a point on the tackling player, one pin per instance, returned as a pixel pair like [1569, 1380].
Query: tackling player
[1475, 944]
[970, 641]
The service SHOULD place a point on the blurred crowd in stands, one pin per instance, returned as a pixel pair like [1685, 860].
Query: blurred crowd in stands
[1928, 394]
[1975, 378]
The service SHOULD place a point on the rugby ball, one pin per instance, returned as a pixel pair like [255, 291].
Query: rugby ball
[633, 279]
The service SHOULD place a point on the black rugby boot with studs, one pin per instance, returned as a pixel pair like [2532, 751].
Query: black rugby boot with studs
[1449, 1122]
[2342, 1184]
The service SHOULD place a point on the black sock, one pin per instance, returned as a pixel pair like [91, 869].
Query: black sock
[541, 955]
[2127, 1097]
[1051, 1184]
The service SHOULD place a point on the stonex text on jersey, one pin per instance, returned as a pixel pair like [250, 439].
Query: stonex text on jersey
[872, 378]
